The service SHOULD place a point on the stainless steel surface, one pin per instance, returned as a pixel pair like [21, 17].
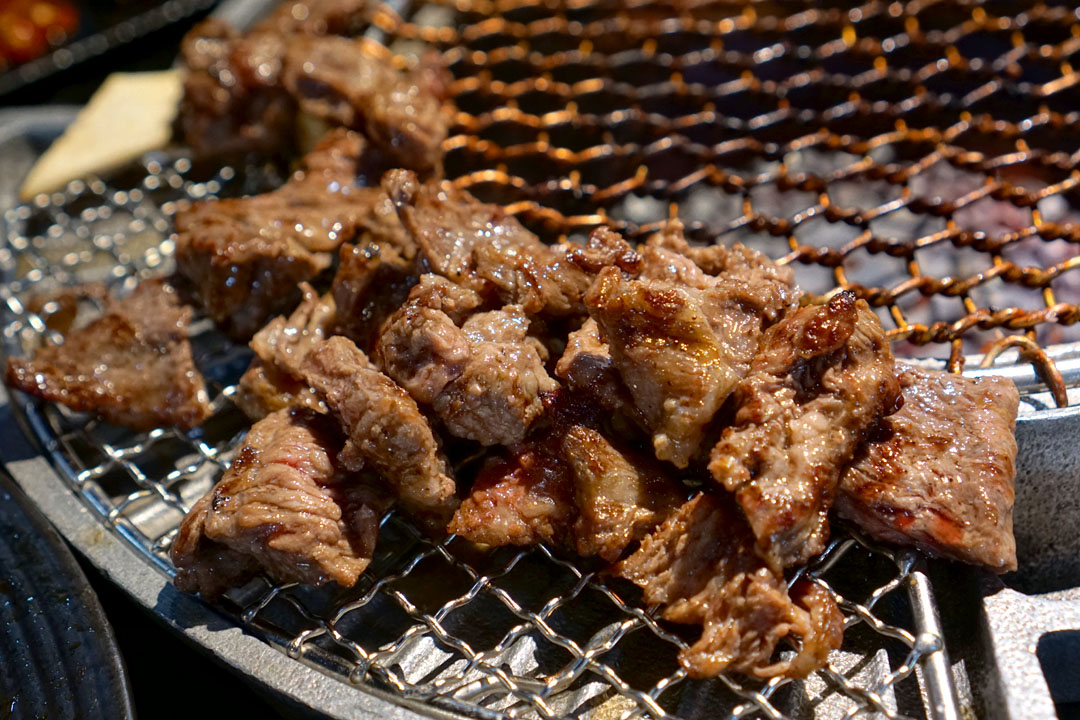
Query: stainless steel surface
[941, 700]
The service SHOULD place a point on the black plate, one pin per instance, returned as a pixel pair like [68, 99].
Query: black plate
[58, 657]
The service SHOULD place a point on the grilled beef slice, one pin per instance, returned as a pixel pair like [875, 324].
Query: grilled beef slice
[386, 432]
[244, 257]
[701, 568]
[823, 378]
[939, 473]
[133, 365]
[282, 507]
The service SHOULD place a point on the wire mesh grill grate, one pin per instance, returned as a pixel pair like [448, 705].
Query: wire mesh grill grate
[508, 633]
[918, 152]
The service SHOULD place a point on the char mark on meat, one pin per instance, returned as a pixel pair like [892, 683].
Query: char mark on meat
[619, 496]
[133, 365]
[352, 84]
[701, 567]
[823, 378]
[371, 283]
[244, 257]
[386, 432]
[282, 507]
[939, 473]
[498, 395]
[477, 245]
[273, 382]
[677, 369]
[679, 337]
[522, 497]
[484, 379]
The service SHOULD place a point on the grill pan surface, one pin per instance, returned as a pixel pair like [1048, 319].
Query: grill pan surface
[915, 152]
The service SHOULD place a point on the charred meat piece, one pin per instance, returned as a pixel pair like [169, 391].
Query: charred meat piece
[319, 17]
[498, 394]
[700, 565]
[383, 228]
[587, 368]
[242, 92]
[619, 497]
[233, 102]
[741, 291]
[273, 381]
[568, 486]
[939, 473]
[571, 270]
[133, 365]
[484, 379]
[477, 245]
[421, 346]
[763, 285]
[679, 337]
[283, 507]
[386, 432]
[471, 243]
[244, 257]
[346, 83]
[823, 378]
[678, 370]
[522, 498]
[371, 283]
